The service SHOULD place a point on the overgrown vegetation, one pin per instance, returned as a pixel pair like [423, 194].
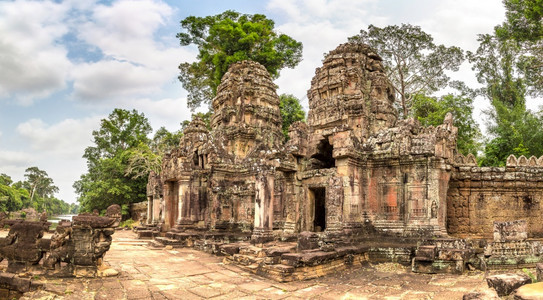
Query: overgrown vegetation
[36, 191]
[509, 63]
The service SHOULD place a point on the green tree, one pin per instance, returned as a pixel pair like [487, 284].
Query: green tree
[107, 181]
[524, 20]
[142, 160]
[39, 183]
[432, 111]
[227, 38]
[524, 27]
[206, 117]
[291, 111]
[414, 64]
[512, 127]
[11, 197]
[164, 140]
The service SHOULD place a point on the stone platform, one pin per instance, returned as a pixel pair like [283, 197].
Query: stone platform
[190, 274]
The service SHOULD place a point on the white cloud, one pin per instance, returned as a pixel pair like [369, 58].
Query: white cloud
[137, 60]
[55, 148]
[13, 159]
[164, 112]
[63, 140]
[458, 22]
[321, 26]
[33, 64]
[110, 78]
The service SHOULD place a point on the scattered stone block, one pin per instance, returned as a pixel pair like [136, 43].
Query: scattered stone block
[229, 249]
[533, 291]
[539, 271]
[426, 253]
[505, 284]
[308, 240]
[481, 294]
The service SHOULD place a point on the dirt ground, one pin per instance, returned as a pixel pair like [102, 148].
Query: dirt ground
[190, 274]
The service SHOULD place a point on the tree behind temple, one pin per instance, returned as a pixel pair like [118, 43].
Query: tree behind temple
[512, 127]
[414, 64]
[226, 38]
[432, 111]
[291, 111]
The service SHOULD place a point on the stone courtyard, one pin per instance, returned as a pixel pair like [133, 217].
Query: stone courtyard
[185, 273]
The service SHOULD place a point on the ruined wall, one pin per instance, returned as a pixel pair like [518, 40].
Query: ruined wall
[405, 177]
[75, 249]
[478, 196]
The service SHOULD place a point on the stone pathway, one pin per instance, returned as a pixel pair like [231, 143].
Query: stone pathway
[190, 274]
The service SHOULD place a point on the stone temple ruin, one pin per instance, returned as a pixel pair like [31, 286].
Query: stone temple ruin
[353, 184]
[75, 249]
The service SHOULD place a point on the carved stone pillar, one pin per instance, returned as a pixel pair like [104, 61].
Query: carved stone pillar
[263, 222]
[185, 202]
[150, 203]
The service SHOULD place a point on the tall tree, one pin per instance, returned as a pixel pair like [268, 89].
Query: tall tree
[291, 111]
[414, 64]
[40, 183]
[227, 38]
[122, 130]
[524, 27]
[107, 181]
[512, 127]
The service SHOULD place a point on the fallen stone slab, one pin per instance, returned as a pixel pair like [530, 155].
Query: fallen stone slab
[278, 251]
[426, 253]
[505, 284]
[481, 294]
[229, 249]
[315, 258]
[531, 291]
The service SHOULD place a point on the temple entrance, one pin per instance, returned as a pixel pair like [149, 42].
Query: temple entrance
[319, 217]
[172, 204]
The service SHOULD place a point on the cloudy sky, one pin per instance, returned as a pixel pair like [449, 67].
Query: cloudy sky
[66, 64]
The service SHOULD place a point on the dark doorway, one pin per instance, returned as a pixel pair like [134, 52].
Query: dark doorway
[319, 221]
[323, 157]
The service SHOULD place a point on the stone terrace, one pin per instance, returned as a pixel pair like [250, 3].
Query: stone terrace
[189, 274]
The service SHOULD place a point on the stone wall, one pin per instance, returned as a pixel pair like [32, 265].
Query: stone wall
[478, 196]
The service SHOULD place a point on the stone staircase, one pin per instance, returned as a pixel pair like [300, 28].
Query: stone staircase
[146, 232]
[280, 261]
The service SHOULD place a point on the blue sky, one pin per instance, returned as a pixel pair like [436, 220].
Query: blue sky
[66, 64]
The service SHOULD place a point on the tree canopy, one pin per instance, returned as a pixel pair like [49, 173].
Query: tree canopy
[291, 111]
[509, 65]
[432, 111]
[107, 180]
[37, 192]
[227, 38]
[414, 64]
[524, 28]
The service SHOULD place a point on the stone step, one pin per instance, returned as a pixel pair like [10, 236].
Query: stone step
[246, 260]
[170, 242]
[147, 234]
[155, 245]
[252, 250]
